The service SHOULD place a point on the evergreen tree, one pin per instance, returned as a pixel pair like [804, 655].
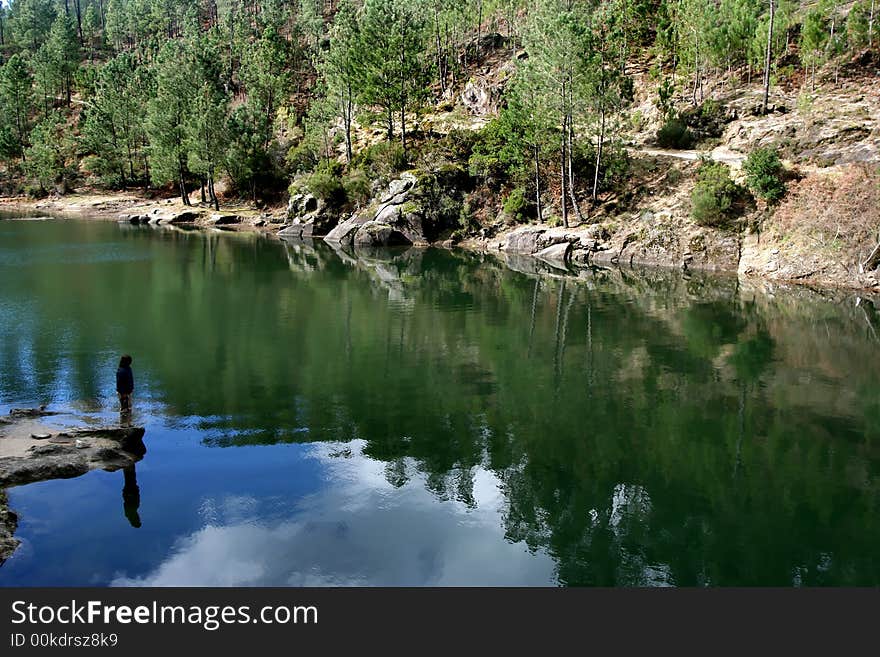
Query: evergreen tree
[168, 114]
[207, 129]
[16, 104]
[113, 125]
[341, 66]
[51, 156]
[32, 20]
[559, 46]
[814, 38]
[61, 56]
[394, 73]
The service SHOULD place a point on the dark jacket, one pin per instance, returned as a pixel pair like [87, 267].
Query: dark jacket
[124, 381]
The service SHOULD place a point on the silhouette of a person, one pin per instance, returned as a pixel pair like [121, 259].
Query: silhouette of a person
[124, 383]
[131, 496]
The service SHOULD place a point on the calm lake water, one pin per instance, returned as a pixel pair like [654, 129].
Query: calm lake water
[436, 418]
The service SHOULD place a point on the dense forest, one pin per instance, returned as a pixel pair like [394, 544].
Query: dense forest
[246, 96]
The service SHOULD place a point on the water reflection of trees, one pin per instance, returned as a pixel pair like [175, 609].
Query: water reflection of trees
[648, 428]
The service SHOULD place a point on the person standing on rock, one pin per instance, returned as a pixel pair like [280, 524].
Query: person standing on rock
[124, 383]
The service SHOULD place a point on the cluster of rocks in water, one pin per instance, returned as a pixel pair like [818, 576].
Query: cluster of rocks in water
[196, 216]
[56, 455]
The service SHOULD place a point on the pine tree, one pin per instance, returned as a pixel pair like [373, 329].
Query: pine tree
[391, 59]
[340, 67]
[32, 20]
[206, 134]
[113, 122]
[62, 55]
[51, 155]
[168, 114]
[16, 105]
[558, 44]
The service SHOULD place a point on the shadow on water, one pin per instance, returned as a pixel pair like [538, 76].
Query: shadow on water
[645, 427]
[131, 496]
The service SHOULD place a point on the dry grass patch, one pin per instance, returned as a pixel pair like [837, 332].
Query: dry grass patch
[837, 213]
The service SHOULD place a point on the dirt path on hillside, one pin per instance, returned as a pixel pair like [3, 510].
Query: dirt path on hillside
[720, 154]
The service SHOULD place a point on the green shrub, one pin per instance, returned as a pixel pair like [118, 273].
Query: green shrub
[497, 153]
[706, 121]
[459, 143]
[637, 120]
[675, 134]
[711, 110]
[326, 184]
[764, 174]
[383, 159]
[517, 207]
[716, 198]
[467, 222]
[302, 157]
[357, 186]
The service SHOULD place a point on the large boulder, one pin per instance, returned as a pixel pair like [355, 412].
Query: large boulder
[397, 187]
[218, 219]
[307, 210]
[345, 231]
[525, 240]
[178, 217]
[297, 231]
[414, 209]
[300, 205]
[557, 254]
[375, 233]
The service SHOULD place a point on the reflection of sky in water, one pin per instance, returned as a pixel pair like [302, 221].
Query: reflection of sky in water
[320, 514]
[359, 530]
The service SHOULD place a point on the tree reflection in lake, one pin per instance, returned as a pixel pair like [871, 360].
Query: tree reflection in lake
[644, 427]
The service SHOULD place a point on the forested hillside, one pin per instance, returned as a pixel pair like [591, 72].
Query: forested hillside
[544, 108]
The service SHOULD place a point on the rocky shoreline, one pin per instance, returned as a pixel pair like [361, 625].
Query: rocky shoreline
[31, 451]
[422, 209]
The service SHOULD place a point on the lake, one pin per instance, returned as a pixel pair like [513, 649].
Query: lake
[432, 417]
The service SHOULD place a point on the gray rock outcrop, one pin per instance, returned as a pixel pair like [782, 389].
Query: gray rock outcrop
[308, 217]
[416, 208]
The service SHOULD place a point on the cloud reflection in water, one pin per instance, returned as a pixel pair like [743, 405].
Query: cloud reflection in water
[358, 531]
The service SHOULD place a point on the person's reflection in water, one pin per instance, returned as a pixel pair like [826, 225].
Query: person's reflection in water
[125, 417]
[131, 496]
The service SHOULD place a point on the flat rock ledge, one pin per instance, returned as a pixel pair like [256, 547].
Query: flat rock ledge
[30, 452]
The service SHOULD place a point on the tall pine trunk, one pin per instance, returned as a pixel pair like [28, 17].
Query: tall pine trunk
[211, 192]
[871, 26]
[570, 151]
[599, 149]
[538, 183]
[182, 185]
[562, 158]
[767, 58]
[79, 27]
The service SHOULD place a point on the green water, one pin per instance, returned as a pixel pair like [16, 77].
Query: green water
[433, 417]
